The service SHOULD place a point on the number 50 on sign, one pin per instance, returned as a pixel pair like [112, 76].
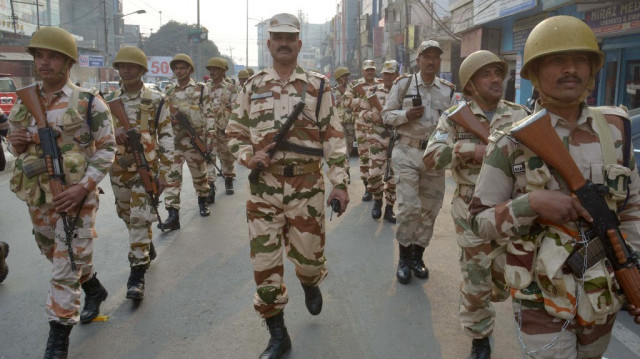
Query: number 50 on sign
[159, 66]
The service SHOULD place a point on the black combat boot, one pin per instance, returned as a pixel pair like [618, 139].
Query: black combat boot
[417, 264]
[152, 252]
[389, 216]
[279, 343]
[95, 294]
[204, 209]
[376, 212]
[135, 284]
[58, 342]
[211, 198]
[4, 268]
[173, 221]
[228, 185]
[312, 298]
[480, 349]
[404, 264]
[367, 196]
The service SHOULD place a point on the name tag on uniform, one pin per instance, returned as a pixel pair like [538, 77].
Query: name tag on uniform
[519, 168]
[257, 96]
[466, 135]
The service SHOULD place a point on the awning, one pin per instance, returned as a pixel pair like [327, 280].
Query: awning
[15, 56]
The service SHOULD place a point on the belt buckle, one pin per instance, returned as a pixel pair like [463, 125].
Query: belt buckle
[288, 171]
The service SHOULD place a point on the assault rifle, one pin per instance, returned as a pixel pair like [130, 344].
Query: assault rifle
[278, 139]
[374, 102]
[195, 141]
[464, 117]
[30, 97]
[136, 149]
[538, 134]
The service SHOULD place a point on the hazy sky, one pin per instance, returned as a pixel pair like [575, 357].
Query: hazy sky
[225, 20]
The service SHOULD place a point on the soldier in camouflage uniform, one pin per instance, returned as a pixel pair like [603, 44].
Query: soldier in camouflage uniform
[285, 210]
[188, 97]
[345, 113]
[420, 190]
[353, 98]
[378, 141]
[453, 147]
[243, 76]
[519, 196]
[149, 116]
[87, 147]
[217, 110]
[4, 246]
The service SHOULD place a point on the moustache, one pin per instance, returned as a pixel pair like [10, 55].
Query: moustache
[569, 78]
[284, 48]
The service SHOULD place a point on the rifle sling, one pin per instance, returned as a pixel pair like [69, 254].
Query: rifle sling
[309, 151]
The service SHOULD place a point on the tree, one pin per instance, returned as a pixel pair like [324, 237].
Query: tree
[173, 38]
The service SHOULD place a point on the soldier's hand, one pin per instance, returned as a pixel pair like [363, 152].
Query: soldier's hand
[479, 153]
[340, 195]
[415, 113]
[557, 207]
[121, 136]
[261, 156]
[19, 139]
[70, 198]
[634, 312]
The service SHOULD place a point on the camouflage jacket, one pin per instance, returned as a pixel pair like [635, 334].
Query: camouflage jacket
[453, 147]
[371, 114]
[355, 95]
[436, 98]
[345, 113]
[219, 105]
[87, 147]
[188, 100]
[157, 138]
[262, 108]
[537, 251]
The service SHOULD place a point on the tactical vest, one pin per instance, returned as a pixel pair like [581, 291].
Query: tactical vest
[76, 147]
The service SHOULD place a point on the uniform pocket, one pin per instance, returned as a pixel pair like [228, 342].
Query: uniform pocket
[520, 260]
[617, 179]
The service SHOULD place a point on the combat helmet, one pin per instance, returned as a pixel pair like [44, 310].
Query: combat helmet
[55, 39]
[341, 71]
[218, 62]
[475, 62]
[131, 54]
[181, 57]
[243, 74]
[556, 35]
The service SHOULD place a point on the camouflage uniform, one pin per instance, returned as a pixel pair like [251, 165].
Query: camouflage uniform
[345, 113]
[378, 142]
[132, 202]
[362, 128]
[88, 151]
[287, 213]
[545, 293]
[453, 147]
[189, 101]
[217, 111]
[420, 191]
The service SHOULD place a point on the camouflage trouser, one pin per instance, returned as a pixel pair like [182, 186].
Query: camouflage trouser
[134, 207]
[226, 158]
[349, 136]
[362, 132]
[538, 328]
[420, 194]
[482, 278]
[378, 144]
[63, 302]
[184, 151]
[285, 215]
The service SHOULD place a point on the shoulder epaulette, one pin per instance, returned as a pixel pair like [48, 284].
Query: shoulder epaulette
[496, 135]
[514, 104]
[447, 83]
[620, 111]
[404, 76]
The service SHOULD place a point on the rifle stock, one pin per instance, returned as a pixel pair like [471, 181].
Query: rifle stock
[374, 102]
[464, 117]
[538, 135]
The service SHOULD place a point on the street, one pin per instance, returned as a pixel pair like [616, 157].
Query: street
[199, 291]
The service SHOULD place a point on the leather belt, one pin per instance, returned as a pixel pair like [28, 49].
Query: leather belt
[294, 170]
[412, 142]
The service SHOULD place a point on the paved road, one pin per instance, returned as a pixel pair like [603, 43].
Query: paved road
[198, 302]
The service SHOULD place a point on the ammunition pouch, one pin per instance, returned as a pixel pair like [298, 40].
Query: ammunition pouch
[126, 160]
[34, 168]
[585, 257]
